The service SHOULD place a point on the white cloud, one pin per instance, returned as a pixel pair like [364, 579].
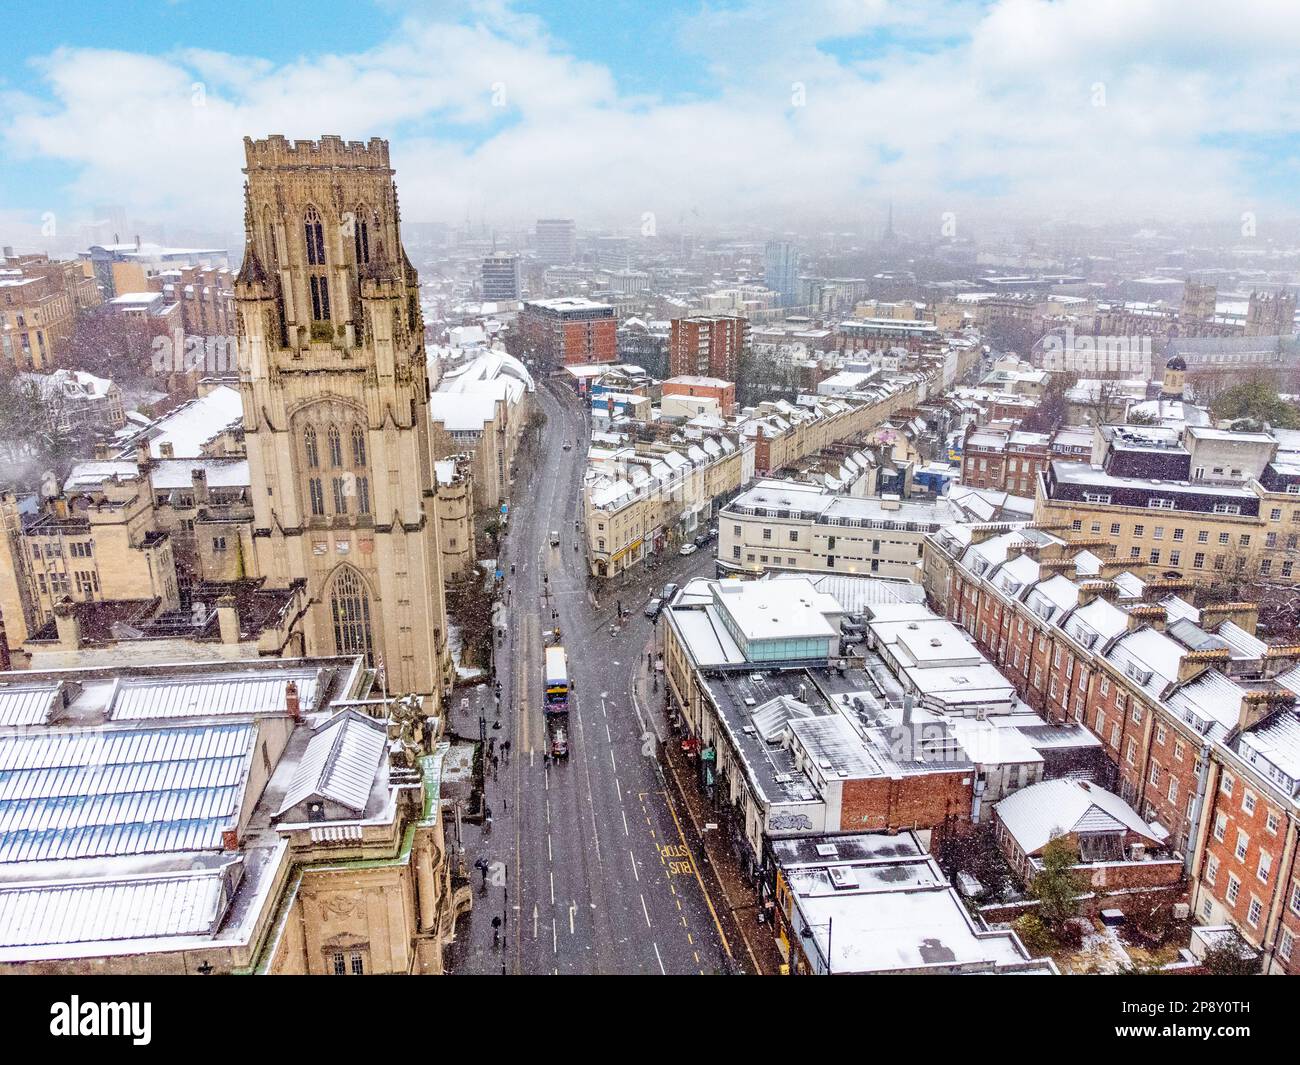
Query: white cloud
[954, 106]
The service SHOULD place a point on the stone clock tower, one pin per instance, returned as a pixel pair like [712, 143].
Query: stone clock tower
[333, 378]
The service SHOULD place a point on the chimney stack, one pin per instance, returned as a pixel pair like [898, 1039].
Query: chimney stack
[199, 481]
[68, 625]
[228, 621]
[1243, 615]
[1257, 705]
[1152, 615]
[291, 703]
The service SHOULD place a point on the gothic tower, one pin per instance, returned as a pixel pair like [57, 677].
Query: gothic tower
[333, 378]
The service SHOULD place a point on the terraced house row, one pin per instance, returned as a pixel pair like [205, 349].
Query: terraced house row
[1196, 714]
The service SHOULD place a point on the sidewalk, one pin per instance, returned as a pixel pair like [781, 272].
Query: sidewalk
[752, 944]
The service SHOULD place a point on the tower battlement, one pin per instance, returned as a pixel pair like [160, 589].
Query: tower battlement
[330, 151]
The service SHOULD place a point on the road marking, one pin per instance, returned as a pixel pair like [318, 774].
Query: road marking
[535, 915]
[661, 960]
[645, 911]
[634, 872]
[573, 910]
[703, 890]
[552, 875]
[625, 831]
[611, 760]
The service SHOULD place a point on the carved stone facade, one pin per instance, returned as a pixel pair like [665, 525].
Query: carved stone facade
[335, 394]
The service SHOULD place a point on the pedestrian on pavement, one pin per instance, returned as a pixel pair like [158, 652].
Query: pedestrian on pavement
[495, 763]
[505, 751]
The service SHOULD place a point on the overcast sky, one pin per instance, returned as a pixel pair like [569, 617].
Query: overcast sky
[711, 114]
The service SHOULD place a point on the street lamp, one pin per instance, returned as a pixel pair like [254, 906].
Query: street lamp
[807, 933]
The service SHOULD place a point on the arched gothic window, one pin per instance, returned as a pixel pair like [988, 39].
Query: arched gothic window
[314, 235]
[310, 446]
[336, 446]
[317, 280]
[350, 611]
[361, 235]
[358, 446]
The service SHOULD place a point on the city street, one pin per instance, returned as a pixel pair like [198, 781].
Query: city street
[594, 867]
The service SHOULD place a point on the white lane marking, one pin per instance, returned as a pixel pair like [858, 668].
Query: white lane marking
[635, 876]
[552, 888]
[625, 831]
[611, 760]
[660, 959]
[645, 911]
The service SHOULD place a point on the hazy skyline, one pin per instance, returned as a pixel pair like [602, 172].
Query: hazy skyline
[1094, 110]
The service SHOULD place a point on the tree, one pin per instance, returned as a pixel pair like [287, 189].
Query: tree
[1054, 406]
[1142, 417]
[1056, 887]
[1256, 400]
[1231, 956]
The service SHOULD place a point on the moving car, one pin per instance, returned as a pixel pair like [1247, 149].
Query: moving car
[688, 549]
[653, 607]
[702, 539]
[555, 538]
[568, 446]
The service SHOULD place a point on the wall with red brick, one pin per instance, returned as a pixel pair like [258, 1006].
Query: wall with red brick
[925, 800]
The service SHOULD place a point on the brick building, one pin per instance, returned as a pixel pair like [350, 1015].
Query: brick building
[708, 345]
[569, 331]
[1192, 710]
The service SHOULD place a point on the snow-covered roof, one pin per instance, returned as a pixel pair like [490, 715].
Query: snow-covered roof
[195, 423]
[131, 908]
[84, 793]
[1039, 813]
[341, 762]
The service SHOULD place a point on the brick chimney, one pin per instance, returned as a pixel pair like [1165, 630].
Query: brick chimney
[1244, 615]
[1150, 614]
[68, 625]
[1193, 662]
[1257, 705]
[165, 450]
[230, 839]
[291, 703]
[199, 481]
[1097, 589]
[228, 620]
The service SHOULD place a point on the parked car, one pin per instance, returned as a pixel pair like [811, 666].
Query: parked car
[667, 594]
[568, 446]
[653, 607]
[687, 549]
[702, 539]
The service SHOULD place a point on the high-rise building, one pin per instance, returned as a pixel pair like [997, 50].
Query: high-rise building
[780, 270]
[569, 331]
[557, 242]
[707, 345]
[335, 397]
[503, 278]
[613, 254]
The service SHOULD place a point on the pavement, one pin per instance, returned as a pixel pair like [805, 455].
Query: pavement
[592, 864]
